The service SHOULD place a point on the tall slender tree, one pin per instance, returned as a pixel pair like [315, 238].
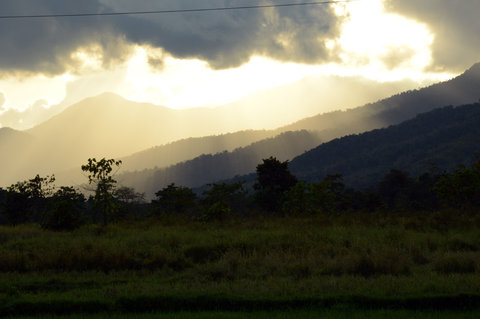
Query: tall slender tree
[100, 174]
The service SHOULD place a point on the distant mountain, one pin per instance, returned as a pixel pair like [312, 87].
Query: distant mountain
[186, 149]
[441, 138]
[309, 96]
[209, 168]
[280, 106]
[110, 126]
[461, 90]
[14, 151]
[8, 135]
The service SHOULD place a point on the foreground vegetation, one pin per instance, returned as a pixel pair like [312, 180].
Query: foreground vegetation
[290, 314]
[418, 263]
[409, 246]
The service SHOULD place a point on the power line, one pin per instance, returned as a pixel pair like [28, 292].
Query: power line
[68, 15]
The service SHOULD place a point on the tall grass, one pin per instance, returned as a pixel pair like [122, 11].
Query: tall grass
[259, 259]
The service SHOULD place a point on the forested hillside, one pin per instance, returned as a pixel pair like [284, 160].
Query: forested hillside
[461, 90]
[213, 167]
[108, 126]
[441, 138]
[186, 149]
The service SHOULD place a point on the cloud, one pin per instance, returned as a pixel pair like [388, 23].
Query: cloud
[396, 56]
[27, 118]
[46, 45]
[2, 101]
[222, 38]
[456, 27]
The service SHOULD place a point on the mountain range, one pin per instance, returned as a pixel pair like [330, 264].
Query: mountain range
[334, 125]
[110, 126]
[209, 168]
[438, 140]
[463, 89]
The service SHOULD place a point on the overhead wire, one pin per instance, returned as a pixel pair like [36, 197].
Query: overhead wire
[124, 13]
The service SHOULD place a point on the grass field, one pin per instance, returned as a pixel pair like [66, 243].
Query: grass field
[359, 266]
[301, 314]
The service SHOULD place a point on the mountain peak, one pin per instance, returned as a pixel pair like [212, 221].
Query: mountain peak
[106, 97]
[7, 131]
[473, 70]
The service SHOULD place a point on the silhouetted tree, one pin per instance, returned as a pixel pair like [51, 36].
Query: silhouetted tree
[222, 199]
[273, 180]
[460, 189]
[174, 199]
[65, 214]
[3, 196]
[328, 195]
[325, 196]
[395, 189]
[129, 202]
[28, 200]
[423, 195]
[297, 200]
[100, 174]
[128, 195]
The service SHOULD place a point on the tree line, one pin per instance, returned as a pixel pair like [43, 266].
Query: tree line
[275, 192]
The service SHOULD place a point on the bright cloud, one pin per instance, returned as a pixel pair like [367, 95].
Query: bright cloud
[382, 41]
[205, 60]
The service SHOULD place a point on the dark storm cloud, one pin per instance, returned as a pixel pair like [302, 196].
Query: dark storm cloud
[222, 38]
[45, 45]
[456, 26]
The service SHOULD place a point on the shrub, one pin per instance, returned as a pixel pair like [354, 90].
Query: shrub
[455, 264]
[63, 216]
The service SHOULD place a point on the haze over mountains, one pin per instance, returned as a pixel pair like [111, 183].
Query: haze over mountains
[109, 126]
[291, 102]
[460, 90]
[209, 168]
[332, 125]
[189, 148]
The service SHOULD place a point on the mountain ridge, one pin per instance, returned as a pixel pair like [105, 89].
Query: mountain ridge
[463, 89]
[65, 144]
[208, 168]
[432, 142]
[441, 138]
[393, 110]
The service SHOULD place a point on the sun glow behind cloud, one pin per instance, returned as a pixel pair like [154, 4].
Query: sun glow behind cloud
[21, 93]
[383, 46]
[373, 44]
[191, 83]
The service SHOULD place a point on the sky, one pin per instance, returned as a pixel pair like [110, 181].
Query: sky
[182, 60]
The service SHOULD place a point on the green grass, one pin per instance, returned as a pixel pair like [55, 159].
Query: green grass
[301, 314]
[414, 263]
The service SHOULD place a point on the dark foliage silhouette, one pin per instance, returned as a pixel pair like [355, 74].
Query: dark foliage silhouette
[100, 174]
[174, 200]
[273, 180]
[223, 199]
[66, 212]
[28, 200]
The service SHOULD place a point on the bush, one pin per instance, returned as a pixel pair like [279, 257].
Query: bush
[455, 264]
[218, 211]
[63, 216]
